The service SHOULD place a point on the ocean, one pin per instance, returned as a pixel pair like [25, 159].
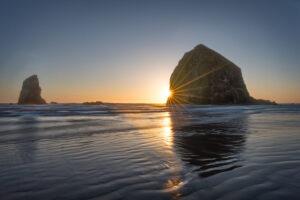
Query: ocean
[148, 151]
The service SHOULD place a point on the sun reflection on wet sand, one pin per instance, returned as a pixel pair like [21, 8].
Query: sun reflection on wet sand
[175, 182]
[156, 128]
[167, 132]
[173, 186]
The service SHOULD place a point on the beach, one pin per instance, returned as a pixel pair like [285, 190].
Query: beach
[144, 151]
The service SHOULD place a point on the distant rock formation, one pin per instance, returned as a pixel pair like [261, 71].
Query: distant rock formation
[31, 91]
[92, 103]
[203, 76]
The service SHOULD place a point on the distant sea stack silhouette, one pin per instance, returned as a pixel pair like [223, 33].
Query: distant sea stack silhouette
[31, 91]
[203, 76]
[93, 103]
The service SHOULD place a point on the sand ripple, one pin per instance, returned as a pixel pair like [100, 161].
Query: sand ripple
[140, 151]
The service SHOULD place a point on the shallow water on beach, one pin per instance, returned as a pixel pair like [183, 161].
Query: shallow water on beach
[140, 151]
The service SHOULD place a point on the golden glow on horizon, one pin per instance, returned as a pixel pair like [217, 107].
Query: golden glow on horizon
[149, 92]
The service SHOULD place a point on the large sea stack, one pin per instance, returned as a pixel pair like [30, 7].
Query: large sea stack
[203, 76]
[31, 91]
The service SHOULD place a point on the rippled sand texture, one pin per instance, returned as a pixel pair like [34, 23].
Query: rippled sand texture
[139, 151]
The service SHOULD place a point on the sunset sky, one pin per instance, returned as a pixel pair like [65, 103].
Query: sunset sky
[125, 51]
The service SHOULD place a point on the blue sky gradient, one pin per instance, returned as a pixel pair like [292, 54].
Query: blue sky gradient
[125, 51]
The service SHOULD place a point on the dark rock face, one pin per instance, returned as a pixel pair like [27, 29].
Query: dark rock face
[31, 91]
[203, 76]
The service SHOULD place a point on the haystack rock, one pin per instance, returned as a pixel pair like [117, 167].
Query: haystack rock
[203, 76]
[31, 91]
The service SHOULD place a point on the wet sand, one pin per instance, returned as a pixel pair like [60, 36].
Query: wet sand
[140, 151]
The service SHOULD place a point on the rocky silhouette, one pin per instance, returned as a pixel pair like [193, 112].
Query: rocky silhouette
[203, 76]
[93, 103]
[31, 91]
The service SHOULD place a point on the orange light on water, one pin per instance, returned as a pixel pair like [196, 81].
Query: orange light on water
[166, 131]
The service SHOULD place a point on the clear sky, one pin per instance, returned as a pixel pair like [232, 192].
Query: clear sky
[125, 51]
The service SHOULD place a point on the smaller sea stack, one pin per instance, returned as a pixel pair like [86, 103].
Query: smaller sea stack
[31, 91]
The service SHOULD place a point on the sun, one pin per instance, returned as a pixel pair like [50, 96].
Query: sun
[165, 93]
